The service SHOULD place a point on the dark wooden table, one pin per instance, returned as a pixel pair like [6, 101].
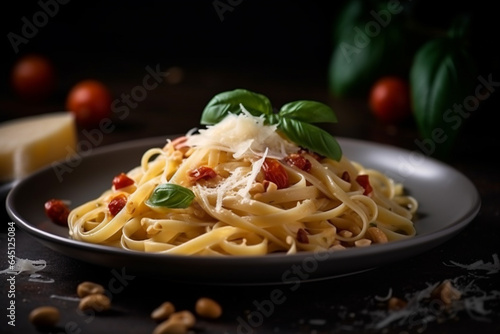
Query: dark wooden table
[280, 49]
[349, 304]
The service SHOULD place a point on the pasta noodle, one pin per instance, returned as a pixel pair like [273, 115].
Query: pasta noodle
[239, 207]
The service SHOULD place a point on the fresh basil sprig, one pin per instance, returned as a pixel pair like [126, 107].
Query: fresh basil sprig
[170, 195]
[293, 120]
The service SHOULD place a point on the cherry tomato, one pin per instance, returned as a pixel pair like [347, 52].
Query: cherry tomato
[389, 99]
[57, 211]
[33, 77]
[90, 101]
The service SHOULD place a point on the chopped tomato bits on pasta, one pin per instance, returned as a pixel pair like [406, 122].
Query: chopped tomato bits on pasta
[240, 188]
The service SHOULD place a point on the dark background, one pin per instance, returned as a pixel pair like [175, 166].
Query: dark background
[94, 38]
[110, 39]
[279, 48]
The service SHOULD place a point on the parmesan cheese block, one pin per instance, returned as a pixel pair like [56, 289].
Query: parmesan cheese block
[29, 143]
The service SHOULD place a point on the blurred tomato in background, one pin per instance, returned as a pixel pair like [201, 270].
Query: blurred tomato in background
[90, 101]
[33, 77]
[389, 99]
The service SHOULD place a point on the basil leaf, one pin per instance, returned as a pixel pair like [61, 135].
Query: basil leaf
[229, 102]
[441, 77]
[366, 47]
[171, 196]
[349, 14]
[308, 111]
[311, 137]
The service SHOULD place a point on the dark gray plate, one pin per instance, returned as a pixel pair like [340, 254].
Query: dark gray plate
[448, 202]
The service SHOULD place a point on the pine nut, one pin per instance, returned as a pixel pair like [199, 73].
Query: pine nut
[362, 242]
[171, 327]
[208, 308]
[395, 304]
[337, 247]
[89, 288]
[44, 316]
[376, 235]
[185, 317]
[96, 302]
[270, 186]
[345, 233]
[446, 293]
[163, 311]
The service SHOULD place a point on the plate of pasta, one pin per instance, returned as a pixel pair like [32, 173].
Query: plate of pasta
[254, 197]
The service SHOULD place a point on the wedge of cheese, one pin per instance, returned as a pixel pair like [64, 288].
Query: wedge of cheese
[29, 143]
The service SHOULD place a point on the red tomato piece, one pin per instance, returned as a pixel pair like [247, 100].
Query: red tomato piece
[117, 204]
[302, 236]
[202, 172]
[275, 172]
[121, 181]
[364, 181]
[298, 161]
[346, 177]
[57, 211]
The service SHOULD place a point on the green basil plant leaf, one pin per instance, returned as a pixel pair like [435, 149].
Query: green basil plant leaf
[442, 75]
[170, 195]
[351, 12]
[308, 111]
[230, 102]
[293, 118]
[311, 137]
[376, 42]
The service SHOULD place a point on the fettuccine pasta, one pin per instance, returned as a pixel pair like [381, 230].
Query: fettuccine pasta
[253, 193]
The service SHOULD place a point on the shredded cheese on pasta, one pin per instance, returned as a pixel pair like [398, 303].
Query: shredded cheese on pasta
[240, 212]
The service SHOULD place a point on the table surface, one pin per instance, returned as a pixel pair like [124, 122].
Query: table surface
[344, 304]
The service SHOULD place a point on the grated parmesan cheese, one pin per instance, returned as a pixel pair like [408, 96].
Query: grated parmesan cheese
[489, 267]
[40, 279]
[243, 135]
[422, 308]
[425, 306]
[25, 265]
